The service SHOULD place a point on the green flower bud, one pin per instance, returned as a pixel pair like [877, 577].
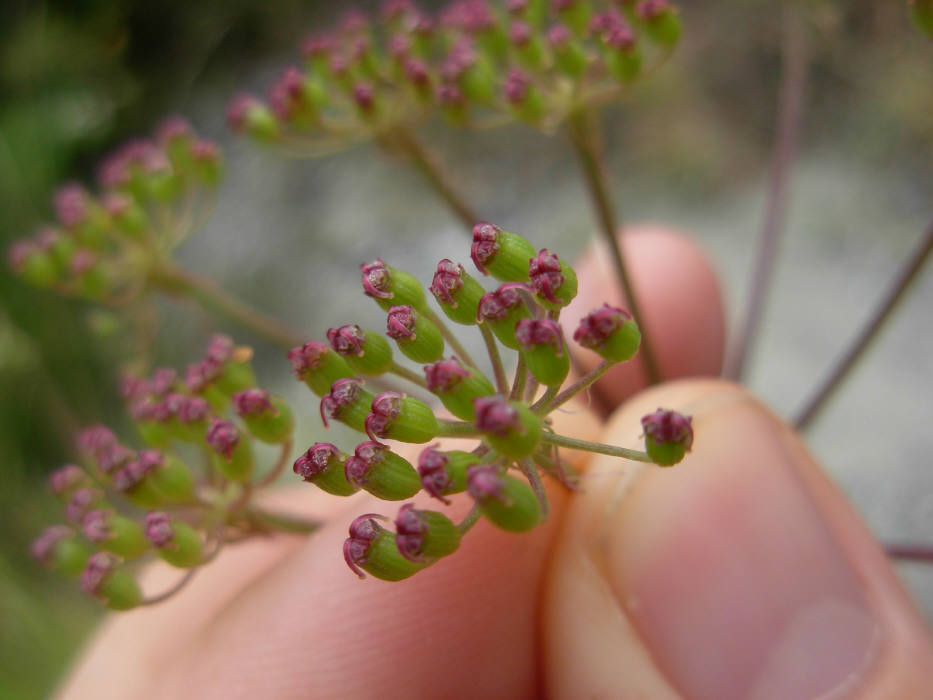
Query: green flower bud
[173, 479]
[365, 352]
[668, 436]
[425, 535]
[375, 468]
[323, 465]
[569, 56]
[553, 281]
[457, 386]
[501, 310]
[128, 217]
[232, 452]
[115, 533]
[505, 501]
[611, 332]
[623, 59]
[416, 335]
[268, 417]
[371, 548]
[177, 543]
[660, 20]
[544, 350]
[247, 114]
[390, 286]
[318, 366]
[524, 97]
[347, 402]
[575, 14]
[509, 427]
[105, 579]
[527, 45]
[396, 417]
[59, 549]
[444, 473]
[457, 293]
[500, 253]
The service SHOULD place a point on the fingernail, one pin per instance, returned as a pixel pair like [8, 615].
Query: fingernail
[729, 572]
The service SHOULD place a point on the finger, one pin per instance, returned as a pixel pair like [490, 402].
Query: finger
[741, 572]
[309, 628]
[680, 302]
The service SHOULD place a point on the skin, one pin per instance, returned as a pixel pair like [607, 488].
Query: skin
[646, 582]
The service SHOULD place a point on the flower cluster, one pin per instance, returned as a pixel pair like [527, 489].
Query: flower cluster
[535, 61]
[124, 505]
[516, 441]
[152, 193]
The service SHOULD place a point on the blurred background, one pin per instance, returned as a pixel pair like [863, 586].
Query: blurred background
[690, 148]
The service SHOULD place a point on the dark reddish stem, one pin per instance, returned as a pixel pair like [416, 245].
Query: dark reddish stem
[915, 553]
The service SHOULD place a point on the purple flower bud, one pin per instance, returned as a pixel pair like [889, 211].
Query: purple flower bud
[162, 380]
[410, 529]
[498, 304]
[363, 532]
[450, 95]
[252, 402]
[317, 46]
[353, 21]
[133, 387]
[111, 458]
[307, 357]
[399, 47]
[168, 407]
[222, 435]
[99, 567]
[375, 278]
[603, 23]
[364, 96]
[534, 332]
[668, 436]
[44, 546]
[316, 459]
[19, 252]
[238, 111]
[174, 128]
[516, 7]
[485, 244]
[65, 479]
[520, 33]
[621, 38]
[193, 409]
[159, 529]
[545, 274]
[484, 483]
[81, 261]
[81, 502]
[95, 438]
[71, 205]
[344, 395]
[445, 375]
[220, 348]
[496, 416]
[96, 525]
[416, 72]
[448, 278]
[205, 151]
[648, 10]
[508, 426]
[396, 9]
[347, 340]
[517, 86]
[385, 408]
[432, 468]
[609, 331]
[400, 324]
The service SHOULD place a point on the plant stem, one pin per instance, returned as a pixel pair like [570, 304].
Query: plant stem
[175, 281]
[469, 520]
[549, 402]
[451, 338]
[794, 58]
[915, 553]
[277, 468]
[598, 447]
[456, 428]
[502, 383]
[172, 590]
[584, 137]
[531, 473]
[405, 373]
[907, 274]
[521, 374]
[283, 522]
[436, 177]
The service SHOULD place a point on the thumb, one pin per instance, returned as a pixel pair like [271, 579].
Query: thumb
[740, 573]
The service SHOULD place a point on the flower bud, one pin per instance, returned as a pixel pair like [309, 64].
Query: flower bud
[471, 72]
[660, 20]
[394, 416]
[553, 281]
[318, 366]
[444, 473]
[500, 253]
[569, 56]
[115, 533]
[542, 346]
[65, 480]
[371, 548]
[668, 436]
[524, 97]
[347, 402]
[501, 310]
[106, 580]
[390, 286]
[505, 501]
[365, 352]
[268, 417]
[191, 416]
[35, 264]
[509, 427]
[233, 454]
[921, 14]
[177, 543]
[208, 163]
[623, 59]
[610, 332]
[527, 45]
[59, 549]
[416, 336]
[424, 535]
[83, 500]
[457, 293]
[457, 386]
[297, 99]
[125, 213]
[453, 104]
[574, 13]
[377, 469]
[246, 114]
[323, 465]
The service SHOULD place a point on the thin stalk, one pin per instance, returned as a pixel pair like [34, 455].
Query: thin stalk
[521, 375]
[405, 373]
[598, 447]
[908, 273]
[547, 404]
[498, 369]
[794, 59]
[531, 473]
[451, 338]
[456, 428]
[172, 590]
[469, 520]
[277, 468]
[436, 176]
[174, 281]
[584, 137]
[915, 553]
[283, 522]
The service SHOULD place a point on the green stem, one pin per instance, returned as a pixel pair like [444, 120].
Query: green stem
[405, 373]
[502, 383]
[531, 473]
[436, 176]
[584, 134]
[521, 375]
[174, 281]
[283, 522]
[469, 520]
[277, 468]
[456, 428]
[597, 447]
[548, 404]
[451, 338]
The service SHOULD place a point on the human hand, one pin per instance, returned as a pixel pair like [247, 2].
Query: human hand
[741, 573]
